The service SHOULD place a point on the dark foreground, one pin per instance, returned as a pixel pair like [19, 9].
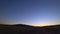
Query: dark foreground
[26, 29]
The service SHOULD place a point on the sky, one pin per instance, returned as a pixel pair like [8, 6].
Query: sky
[30, 11]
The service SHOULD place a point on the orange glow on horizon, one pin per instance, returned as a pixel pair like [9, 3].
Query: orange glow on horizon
[41, 25]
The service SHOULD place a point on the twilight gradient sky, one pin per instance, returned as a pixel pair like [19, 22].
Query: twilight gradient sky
[31, 11]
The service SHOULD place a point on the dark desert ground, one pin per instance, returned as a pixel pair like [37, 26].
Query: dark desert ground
[26, 29]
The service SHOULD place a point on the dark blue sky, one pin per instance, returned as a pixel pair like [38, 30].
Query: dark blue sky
[30, 11]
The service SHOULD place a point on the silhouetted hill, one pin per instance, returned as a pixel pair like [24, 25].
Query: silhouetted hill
[26, 29]
[18, 29]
